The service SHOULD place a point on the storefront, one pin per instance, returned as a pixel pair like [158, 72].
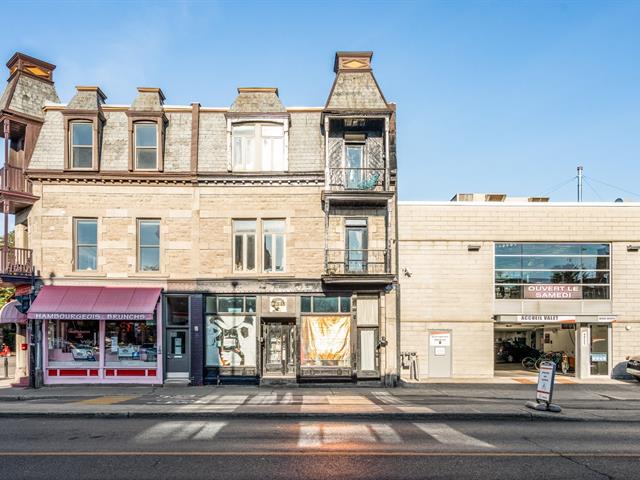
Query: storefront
[278, 338]
[9, 315]
[100, 334]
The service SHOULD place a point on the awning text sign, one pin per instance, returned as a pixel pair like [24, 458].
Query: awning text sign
[546, 378]
[546, 318]
[553, 292]
[90, 316]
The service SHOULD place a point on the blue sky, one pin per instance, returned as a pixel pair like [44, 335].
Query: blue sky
[493, 96]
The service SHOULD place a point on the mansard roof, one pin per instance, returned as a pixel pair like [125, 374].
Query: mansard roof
[257, 100]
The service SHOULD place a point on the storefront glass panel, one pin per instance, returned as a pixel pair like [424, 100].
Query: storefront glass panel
[599, 355]
[325, 341]
[230, 341]
[130, 344]
[73, 343]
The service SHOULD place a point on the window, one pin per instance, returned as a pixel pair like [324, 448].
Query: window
[231, 334]
[72, 343]
[354, 160]
[146, 138]
[321, 304]
[274, 245]
[149, 245]
[244, 245]
[258, 147]
[86, 241]
[131, 344]
[81, 145]
[552, 270]
[356, 236]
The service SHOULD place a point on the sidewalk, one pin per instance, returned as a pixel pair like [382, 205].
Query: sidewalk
[619, 401]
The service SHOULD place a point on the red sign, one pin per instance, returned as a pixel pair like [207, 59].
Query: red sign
[23, 289]
[553, 292]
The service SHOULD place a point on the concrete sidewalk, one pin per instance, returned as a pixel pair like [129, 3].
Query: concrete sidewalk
[618, 401]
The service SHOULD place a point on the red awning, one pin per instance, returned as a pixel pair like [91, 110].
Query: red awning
[94, 303]
[10, 314]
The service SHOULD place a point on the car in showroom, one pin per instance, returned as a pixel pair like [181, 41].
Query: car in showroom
[511, 352]
[633, 367]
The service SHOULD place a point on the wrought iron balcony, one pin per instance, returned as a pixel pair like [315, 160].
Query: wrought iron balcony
[357, 179]
[357, 262]
[13, 179]
[16, 262]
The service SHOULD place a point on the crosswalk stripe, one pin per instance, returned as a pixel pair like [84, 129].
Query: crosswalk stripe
[447, 435]
[180, 430]
[387, 398]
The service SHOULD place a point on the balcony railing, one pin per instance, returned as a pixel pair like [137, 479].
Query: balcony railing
[357, 179]
[16, 261]
[357, 262]
[13, 179]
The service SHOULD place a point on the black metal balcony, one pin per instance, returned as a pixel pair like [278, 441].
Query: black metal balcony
[353, 265]
[357, 179]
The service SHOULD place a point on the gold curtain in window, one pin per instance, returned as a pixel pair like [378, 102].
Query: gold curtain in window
[326, 341]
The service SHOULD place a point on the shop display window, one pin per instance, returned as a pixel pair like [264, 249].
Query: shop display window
[73, 343]
[131, 344]
[325, 341]
[320, 304]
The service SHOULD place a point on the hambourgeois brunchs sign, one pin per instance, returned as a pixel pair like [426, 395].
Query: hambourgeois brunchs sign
[568, 292]
[90, 316]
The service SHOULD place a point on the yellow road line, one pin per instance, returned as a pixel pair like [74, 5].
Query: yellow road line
[321, 454]
[108, 400]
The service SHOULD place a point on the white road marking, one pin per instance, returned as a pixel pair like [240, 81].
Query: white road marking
[263, 400]
[207, 399]
[287, 399]
[387, 398]
[180, 430]
[316, 435]
[446, 435]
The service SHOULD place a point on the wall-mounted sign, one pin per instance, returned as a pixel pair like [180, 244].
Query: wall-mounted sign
[440, 339]
[553, 292]
[598, 357]
[545, 318]
[606, 318]
[277, 304]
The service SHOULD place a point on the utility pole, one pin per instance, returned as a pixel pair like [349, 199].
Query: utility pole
[580, 183]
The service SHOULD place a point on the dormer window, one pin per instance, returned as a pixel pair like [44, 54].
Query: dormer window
[146, 138]
[81, 144]
[258, 147]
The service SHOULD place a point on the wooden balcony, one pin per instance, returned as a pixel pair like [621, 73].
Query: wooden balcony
[357, 266]
[16, 265]
[357, 185]
[15, 188]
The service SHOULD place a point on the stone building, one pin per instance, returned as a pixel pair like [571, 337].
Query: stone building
[488, 280]
[185, 243]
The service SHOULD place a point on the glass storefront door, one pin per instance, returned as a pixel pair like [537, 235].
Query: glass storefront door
[278, 349]
[599, 354]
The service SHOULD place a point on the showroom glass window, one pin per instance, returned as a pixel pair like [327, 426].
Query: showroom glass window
[73, 343]
[130, 344]
[518, 266]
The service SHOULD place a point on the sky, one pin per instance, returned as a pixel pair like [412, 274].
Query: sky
[492, 96]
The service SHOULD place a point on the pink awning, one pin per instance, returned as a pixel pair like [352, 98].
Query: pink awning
[94, 303]
[10, 314]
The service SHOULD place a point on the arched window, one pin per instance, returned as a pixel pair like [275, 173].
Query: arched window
[81, 144]
[146, 145]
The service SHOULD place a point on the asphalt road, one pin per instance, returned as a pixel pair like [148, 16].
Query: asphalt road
[166, 448]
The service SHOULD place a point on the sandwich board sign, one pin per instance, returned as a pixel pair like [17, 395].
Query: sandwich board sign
[546, 380]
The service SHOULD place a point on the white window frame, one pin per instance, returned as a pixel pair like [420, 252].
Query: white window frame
[245, 250]
[273, 236]
[258, 121]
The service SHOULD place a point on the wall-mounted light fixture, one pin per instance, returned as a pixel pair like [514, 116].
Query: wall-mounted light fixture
[474, 247]
[633, 248]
